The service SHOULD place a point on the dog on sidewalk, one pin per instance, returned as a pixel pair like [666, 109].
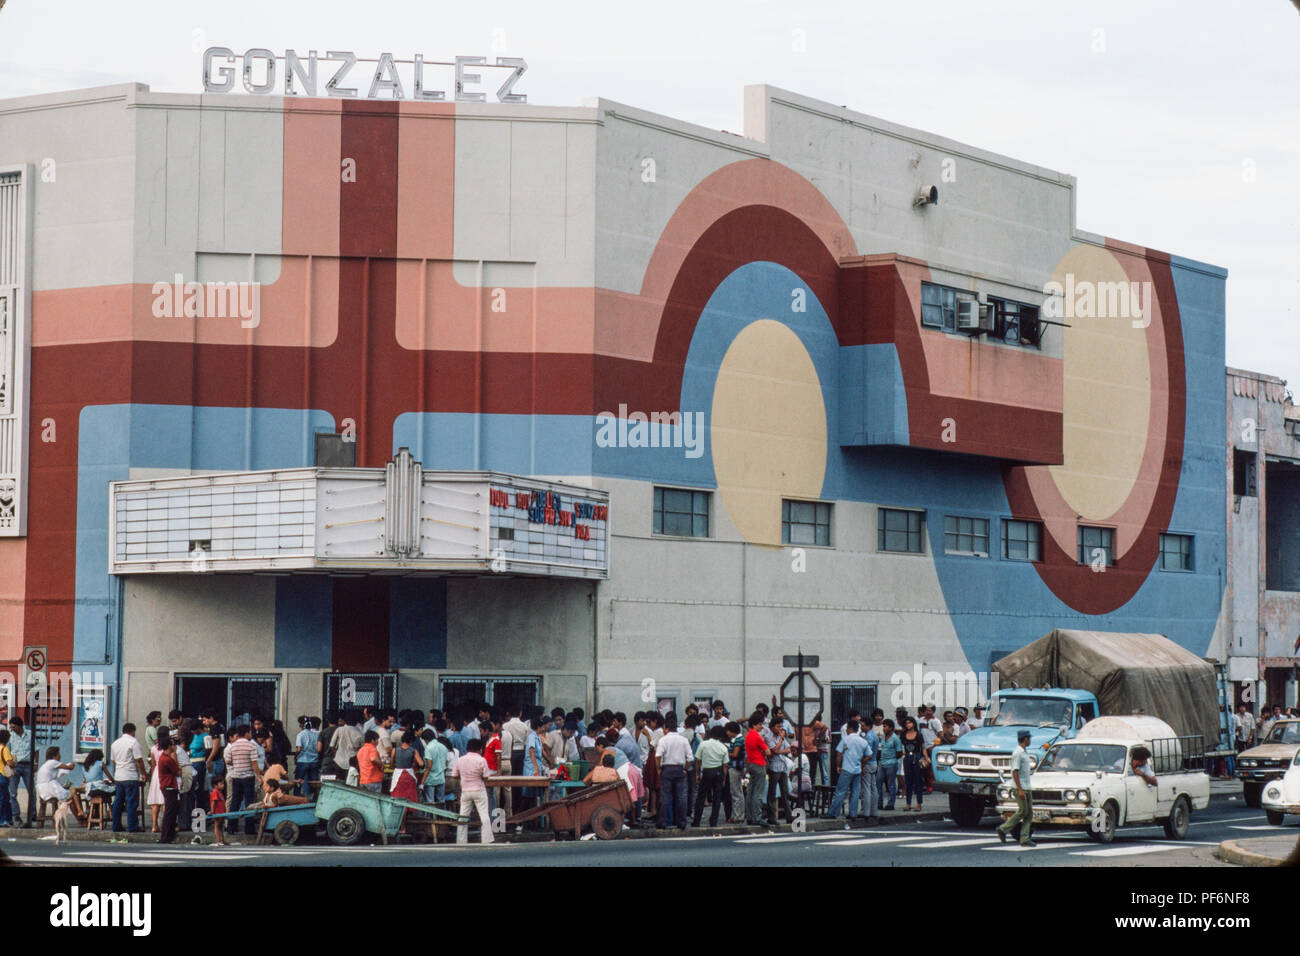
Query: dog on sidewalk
[61, 817]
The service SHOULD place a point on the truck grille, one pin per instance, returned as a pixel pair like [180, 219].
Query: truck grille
[1048, 796]
[980, 765]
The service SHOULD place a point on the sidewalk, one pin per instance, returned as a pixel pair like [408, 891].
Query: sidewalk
[1261, 851]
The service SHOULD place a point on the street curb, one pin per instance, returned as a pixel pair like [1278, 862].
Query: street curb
[1230, 851]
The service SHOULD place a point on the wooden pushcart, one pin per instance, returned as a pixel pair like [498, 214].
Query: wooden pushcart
[599, 808]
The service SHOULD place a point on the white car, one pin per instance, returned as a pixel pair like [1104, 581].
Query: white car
[1089, 783]
[1281, 795]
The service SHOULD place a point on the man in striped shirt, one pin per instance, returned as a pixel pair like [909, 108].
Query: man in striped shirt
[241, 773]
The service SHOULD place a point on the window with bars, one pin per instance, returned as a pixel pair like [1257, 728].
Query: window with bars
[805, 522]
[1096, 542]
[1022, 540]
[1015, 323]
[966, 536]
[1175, 552]
[681, 512]
[900, 530]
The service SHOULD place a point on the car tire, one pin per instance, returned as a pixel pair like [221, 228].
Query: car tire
[1179, 817]
[1110, 820]
[346, 827]
[1250, 792]
[1275, 817]
[966, 811]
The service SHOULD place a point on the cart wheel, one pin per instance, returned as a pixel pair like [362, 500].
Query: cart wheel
[346, 827]
[286, 833]
[606, 823]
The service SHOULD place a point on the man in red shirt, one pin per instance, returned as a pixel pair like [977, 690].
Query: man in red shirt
[169, 772]
[756, 751]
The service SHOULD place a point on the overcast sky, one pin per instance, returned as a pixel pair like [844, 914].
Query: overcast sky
[1181, 120]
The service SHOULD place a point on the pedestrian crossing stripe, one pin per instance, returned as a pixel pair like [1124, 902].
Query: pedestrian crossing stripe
[1128, 850]
[950, 844]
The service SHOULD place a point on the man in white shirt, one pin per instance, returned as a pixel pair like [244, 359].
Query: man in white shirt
[1245, 727]
[976, 719]
[673, 752]
[128, 772]
[959, 725]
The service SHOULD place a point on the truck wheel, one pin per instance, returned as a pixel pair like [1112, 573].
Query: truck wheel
[1250, 792]
[286, 833]
[1109, 820]
[346, 827]
[1275, 817]
[1176, 825]
[965, 810]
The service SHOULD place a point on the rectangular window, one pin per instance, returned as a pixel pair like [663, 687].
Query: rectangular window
[343, 690]
[805, 522]
[681, 512]
[1022, 540]
[900, 530]
[1096, 542]
[334, 451]
[1175, 552]
[235, 700]
[1244, 483]
[939, 306]
[15, 303]
[1015, 322]
[962, 535]
[469, 693]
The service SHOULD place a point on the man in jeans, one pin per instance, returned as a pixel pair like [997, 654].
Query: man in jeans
[20, 745]
[756, 752]
[241, 773]
[852, 749]
[128, 773]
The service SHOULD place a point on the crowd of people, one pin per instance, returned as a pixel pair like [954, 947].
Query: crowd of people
[757, 770]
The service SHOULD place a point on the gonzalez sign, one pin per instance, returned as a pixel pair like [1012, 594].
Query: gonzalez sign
[261, 69]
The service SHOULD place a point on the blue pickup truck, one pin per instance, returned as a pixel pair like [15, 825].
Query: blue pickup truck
[968, 770]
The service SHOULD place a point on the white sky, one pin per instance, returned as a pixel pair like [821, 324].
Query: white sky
[1164, 126]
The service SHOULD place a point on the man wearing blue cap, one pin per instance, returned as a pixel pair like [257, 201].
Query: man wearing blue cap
[1021, 767]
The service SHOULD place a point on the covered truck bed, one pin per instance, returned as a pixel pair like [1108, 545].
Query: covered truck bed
[1127, 672]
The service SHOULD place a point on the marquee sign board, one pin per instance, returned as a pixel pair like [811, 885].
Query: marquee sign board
[264, 72]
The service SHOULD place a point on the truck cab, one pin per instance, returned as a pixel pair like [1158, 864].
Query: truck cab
[968, 770]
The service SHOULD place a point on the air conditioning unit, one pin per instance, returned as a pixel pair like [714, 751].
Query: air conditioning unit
[973, 316]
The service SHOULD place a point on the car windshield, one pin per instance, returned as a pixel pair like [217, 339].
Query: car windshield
[1288, 733]
[1033, 711]
[1076, 755]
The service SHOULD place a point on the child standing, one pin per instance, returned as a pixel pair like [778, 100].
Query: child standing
[217, 803]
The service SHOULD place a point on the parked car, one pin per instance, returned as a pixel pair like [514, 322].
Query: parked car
[1268, 759]
[1282, 794]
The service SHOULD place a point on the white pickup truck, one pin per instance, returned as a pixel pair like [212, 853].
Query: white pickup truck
[1088, 782]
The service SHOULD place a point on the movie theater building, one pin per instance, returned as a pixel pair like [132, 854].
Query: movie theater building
[313, 399]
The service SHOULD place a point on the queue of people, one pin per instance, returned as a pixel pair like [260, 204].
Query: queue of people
[679, 772]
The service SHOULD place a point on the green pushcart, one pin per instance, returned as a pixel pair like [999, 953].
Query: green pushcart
[350, 813]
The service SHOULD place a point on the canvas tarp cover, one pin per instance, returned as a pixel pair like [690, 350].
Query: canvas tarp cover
[1127, 672]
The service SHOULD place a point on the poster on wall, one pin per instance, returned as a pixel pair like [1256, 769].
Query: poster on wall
[92, 717]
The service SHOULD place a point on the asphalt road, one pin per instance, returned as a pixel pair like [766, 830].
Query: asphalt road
[919, 844]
